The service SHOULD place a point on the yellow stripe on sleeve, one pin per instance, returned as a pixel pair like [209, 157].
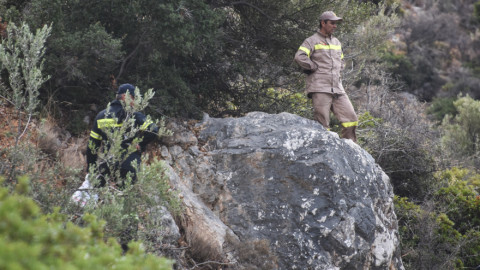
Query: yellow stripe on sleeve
[146, 124]
[306, 50]
[95, 135]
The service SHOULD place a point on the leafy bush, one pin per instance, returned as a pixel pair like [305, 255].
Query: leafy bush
[422, 244]
[21, 57]
[397, 134]
[126, 210]
[461, 133]
[399, 65]
[442, 231]
[32, 240]
[440, 107]
[428, 240]
[459, 200]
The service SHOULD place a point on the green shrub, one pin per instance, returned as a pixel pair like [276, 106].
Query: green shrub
[32, 240]
[461, 133]
[404, 157]
[128, 209]
[476, 11]
[441, 107]
[428, 240]
[460, 200]
[442, 232]
[21, 57]
[400, 65]
[278, 100]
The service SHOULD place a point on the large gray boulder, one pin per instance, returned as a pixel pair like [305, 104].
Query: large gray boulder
[321, 202]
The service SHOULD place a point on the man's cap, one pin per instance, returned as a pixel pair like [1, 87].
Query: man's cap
[329, 16]
[124, 88]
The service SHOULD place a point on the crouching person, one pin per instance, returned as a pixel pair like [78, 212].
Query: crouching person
[131, 145]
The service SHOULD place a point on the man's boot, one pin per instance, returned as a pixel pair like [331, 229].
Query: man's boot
[349, 133]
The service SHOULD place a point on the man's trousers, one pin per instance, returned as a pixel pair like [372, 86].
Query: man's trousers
[341, 107]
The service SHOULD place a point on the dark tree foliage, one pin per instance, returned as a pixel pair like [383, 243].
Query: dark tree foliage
[167, 45]
[215, 56]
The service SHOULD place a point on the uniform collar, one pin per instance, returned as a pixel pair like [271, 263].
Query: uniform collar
[116, 105]
[323, 35]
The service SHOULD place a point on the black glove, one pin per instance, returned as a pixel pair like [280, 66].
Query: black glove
[307, 71]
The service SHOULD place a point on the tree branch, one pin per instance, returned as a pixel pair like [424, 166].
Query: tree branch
[7, 100]
[26, 126]
[252, 6]
[124, 62]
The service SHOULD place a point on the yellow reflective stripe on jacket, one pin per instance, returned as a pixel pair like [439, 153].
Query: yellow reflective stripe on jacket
[95, 135]
[146, 124]
[328, 47]
[341, 57]
[306, 50]
[108, 123]
[350, 124]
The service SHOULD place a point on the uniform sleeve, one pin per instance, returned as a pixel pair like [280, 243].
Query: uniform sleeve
[302, 57]
[94, 142]
[148, 130]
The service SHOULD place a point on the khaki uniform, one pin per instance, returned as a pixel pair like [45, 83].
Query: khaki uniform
[322, 58]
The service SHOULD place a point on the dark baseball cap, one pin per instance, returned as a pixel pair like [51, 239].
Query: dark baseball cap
[124, 88]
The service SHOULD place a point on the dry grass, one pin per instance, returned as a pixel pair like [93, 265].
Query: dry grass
[203, 252]
[48, 138]
[57, 143]
[253, 254]
[73, 155]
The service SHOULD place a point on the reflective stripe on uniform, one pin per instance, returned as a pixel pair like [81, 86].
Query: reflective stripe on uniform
[107, 123]
[95, 135]
[328, 47]
[350, 124]
[146, 124]
[306, 50]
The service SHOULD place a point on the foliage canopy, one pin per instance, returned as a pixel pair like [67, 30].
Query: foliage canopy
[221, 57]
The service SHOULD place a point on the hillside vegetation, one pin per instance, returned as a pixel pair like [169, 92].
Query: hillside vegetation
[413, 74]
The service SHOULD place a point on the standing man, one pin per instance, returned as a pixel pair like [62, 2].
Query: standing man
[321, 58]
[113, 118]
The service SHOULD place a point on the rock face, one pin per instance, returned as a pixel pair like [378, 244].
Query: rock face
[321, 202]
